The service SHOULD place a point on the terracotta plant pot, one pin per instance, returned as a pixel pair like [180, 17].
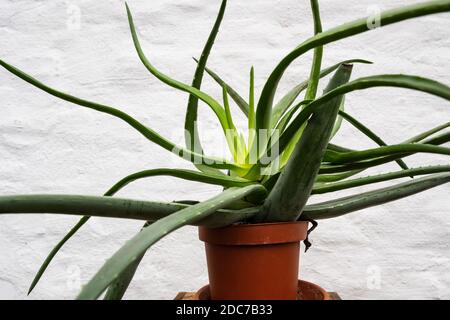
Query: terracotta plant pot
[254, 261]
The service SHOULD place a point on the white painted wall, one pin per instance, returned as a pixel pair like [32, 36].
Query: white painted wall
[398, 250]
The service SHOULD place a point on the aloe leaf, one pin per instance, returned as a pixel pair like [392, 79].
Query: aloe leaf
[254, 171]
[437, 140]
[428, 133]
[324, 178]
[55, 250]
[337, 148]
[119, 286]
[215, 106]
[317, 57]
[286, 118]
[369, 133]
[401, 81]
[237, 98]
[287, 150]
[190, 125]
[109, 207]
[338, 123]
[140, 243]
[287, 100]
[251, 110]
[263, 113]
[332, 169]
[222, 180]
[191, 175]
[292, 189]
[354, 156]
[337, 186]
[141, 128]
[99, 206]
[227, 108]
[339, 207]
[231, 134]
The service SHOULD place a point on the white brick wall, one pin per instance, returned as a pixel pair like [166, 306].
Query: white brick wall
[84, 47]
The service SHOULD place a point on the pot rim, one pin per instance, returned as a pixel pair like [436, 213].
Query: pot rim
[313, 290]
[255, 233]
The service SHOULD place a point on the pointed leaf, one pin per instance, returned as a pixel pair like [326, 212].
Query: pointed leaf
[338, 123]
[369, 133]
[401, 81]
[109, 207]
[283, 105]
[339, 207]
[428, 133]
[141, 128]
[264, 109]
[213, 104]
[292, 189]
[251, 110]
[130, 252]
[317, 57]
[337, 186]
[119, 286]
[190, 125]
[354, 156]
[241, 103]
[222, 180]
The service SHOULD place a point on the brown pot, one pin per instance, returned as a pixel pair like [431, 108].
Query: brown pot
[254, 261]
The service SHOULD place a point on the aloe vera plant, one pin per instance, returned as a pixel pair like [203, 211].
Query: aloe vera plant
[272, 172]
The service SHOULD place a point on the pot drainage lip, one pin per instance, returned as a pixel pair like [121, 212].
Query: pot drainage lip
[306, 291]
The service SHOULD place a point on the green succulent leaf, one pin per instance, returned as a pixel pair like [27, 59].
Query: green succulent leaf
[337, 148]
[55, 250]
[109, 207]
[264, 109]
[211, 102]
[190, 125]
[232, 136]
[401, 81]
[99, 206]
[251, 110]
[285, 120]
[339, 207]
[369, 133]
[362, 165]
[222, 180]
[119, 286]
[141, 128]
[320, 188]
[135, 247]
[324, 178]
[237, 98]
[338, 123]
[354, 156]
[317, 57]
[428, 133]
[292, 189]
[287, 100]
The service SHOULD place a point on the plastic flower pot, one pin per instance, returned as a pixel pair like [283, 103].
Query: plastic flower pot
[254, 261]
